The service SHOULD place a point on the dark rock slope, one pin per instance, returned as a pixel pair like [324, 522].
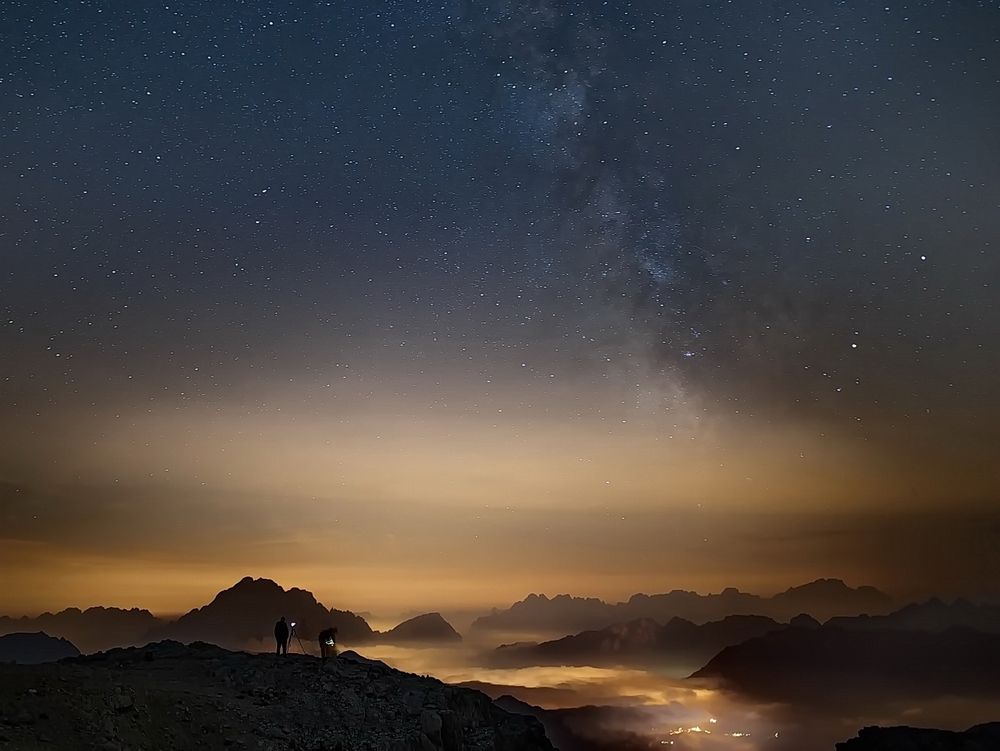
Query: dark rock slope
[827, 664]
[169, 696]
[980, 738]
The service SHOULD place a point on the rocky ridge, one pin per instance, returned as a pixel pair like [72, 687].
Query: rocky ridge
[979, 738]
[167, 696]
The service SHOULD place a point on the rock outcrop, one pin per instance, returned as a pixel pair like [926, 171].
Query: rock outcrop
[171, 696]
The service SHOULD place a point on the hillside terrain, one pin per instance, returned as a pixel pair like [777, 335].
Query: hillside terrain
[168, 696]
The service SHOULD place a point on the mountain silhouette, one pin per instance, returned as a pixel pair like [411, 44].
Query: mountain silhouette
[642, 641]
[825, 598]
[93, 629]
[247, 611]
[426, 628]
[35, 648]
[804, 620]
[829, 665]
[822, 599]
[562, 613]
[932, 615]
[240, 617]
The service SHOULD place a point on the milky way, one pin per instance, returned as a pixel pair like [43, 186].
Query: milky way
[318, 269]
[775, 189]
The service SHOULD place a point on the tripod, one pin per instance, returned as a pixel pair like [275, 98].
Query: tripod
[293, 635]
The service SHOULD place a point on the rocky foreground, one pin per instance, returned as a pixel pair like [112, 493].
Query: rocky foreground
[979, 738]
[170, 696]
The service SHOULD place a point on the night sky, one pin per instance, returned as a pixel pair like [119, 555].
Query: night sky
[436, 304]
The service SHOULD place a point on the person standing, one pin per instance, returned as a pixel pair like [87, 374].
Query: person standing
[281, 637]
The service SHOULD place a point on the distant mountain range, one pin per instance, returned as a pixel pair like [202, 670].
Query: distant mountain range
[91, 630]
[831, 665]
[243, 616]
[238, 617]
[683, 644]
[642, 641]
[248, 610]
[33, 649]
[822, 599]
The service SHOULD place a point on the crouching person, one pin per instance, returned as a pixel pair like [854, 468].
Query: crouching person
[327, 643]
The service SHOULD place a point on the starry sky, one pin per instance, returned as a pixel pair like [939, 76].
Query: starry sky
[439, 303]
